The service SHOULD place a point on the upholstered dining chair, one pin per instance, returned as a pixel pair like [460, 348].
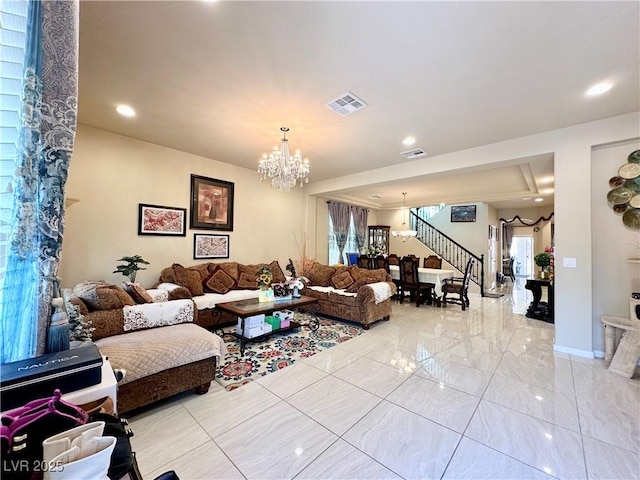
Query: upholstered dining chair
[393, 259]
[459, 286]
[409, 282]
[432, 261]
[381, 262]
[364, 262]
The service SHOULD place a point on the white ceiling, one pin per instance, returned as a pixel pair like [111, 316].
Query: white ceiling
[220, 79]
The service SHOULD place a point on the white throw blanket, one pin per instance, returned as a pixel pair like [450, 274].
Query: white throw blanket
[381, 291]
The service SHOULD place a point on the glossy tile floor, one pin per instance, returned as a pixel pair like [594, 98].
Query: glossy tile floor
[433, 393]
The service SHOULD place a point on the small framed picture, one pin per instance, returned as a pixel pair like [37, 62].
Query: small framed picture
[211, 204]
[210, 246]
[463, 213]
[159, 220]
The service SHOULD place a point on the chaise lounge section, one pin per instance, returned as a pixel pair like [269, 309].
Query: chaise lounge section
[157, 343]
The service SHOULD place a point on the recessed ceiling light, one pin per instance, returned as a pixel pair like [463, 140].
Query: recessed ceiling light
[539, 199]
[126, 111]
[409, 141]
[599, 89]
[546, 180]
[547, 191]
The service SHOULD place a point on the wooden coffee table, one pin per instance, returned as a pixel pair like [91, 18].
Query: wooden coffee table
[248, 308]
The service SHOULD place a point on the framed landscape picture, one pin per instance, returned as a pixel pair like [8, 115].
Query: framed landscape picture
[159, 220]
[210, 246]
[463, 213]
[211, 204]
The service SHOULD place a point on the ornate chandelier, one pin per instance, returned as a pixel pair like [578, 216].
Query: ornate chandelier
[404, 234]
[282, 168]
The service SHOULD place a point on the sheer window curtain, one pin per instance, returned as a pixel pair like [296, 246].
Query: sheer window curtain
[340, 215]
[46, 138]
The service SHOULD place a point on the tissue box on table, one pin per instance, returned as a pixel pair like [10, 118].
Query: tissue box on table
[274, 322]
[285, 316]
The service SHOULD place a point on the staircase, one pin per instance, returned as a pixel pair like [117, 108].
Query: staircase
[446, 247]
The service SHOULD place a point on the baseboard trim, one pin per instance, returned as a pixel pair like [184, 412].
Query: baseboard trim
[598, 354]
[574, 351]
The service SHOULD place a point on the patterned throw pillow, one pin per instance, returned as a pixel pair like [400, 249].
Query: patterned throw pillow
[247, 281]
[378, 275]
[230, 268]
[113, 297]
[189, 279]
[320, 275]
[278, 274]
[218, 281]
[202, 269]
[342, 279]
[137, 292]
[86, 291]
[355, 286]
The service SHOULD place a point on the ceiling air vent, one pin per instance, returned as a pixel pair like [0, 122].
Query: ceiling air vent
[346, 104]
[415, 153]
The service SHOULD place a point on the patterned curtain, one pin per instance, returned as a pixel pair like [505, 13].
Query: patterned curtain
[360, 217]
[508, 239]
[47, 133]
[340, 214]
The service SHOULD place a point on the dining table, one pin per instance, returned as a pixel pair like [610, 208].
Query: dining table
[426, 275]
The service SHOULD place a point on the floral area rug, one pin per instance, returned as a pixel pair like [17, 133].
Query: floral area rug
[279, 350]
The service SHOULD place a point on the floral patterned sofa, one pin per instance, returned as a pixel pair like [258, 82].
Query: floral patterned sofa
[208, 284]
[351, 293]
[345, 293]
[155, 341]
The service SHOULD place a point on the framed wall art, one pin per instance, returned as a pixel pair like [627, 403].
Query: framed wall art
[210, 246]
[211, 204]
[463, 213]
[159, 220]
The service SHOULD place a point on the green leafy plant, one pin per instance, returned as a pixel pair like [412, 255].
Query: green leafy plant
[131, 268]
[543, 259]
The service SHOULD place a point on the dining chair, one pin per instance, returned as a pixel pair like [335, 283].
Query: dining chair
[393, 259]
[432, 261]
[409, 282]
[459, 286]
[381, 262]
[364, 262]
[352, 258]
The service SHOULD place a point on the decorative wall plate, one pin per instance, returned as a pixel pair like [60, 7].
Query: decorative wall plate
[620, 195]
[635, 201]
[621, 208]
[631, 218]
[616, 182]
[629, 170]
[624, 196]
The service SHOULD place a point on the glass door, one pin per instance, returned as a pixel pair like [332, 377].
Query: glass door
[522, 250]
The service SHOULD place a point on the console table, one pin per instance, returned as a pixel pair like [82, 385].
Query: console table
[537, 309]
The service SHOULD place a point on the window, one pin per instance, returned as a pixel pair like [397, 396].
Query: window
[13, 25]
[350, 247]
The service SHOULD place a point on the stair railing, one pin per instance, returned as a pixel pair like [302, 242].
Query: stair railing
[450, 250]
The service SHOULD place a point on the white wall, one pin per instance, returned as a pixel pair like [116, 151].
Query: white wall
[111, 174]
[614, 278]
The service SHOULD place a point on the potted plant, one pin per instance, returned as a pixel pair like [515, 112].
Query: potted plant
[132, 266]
[543, 260]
